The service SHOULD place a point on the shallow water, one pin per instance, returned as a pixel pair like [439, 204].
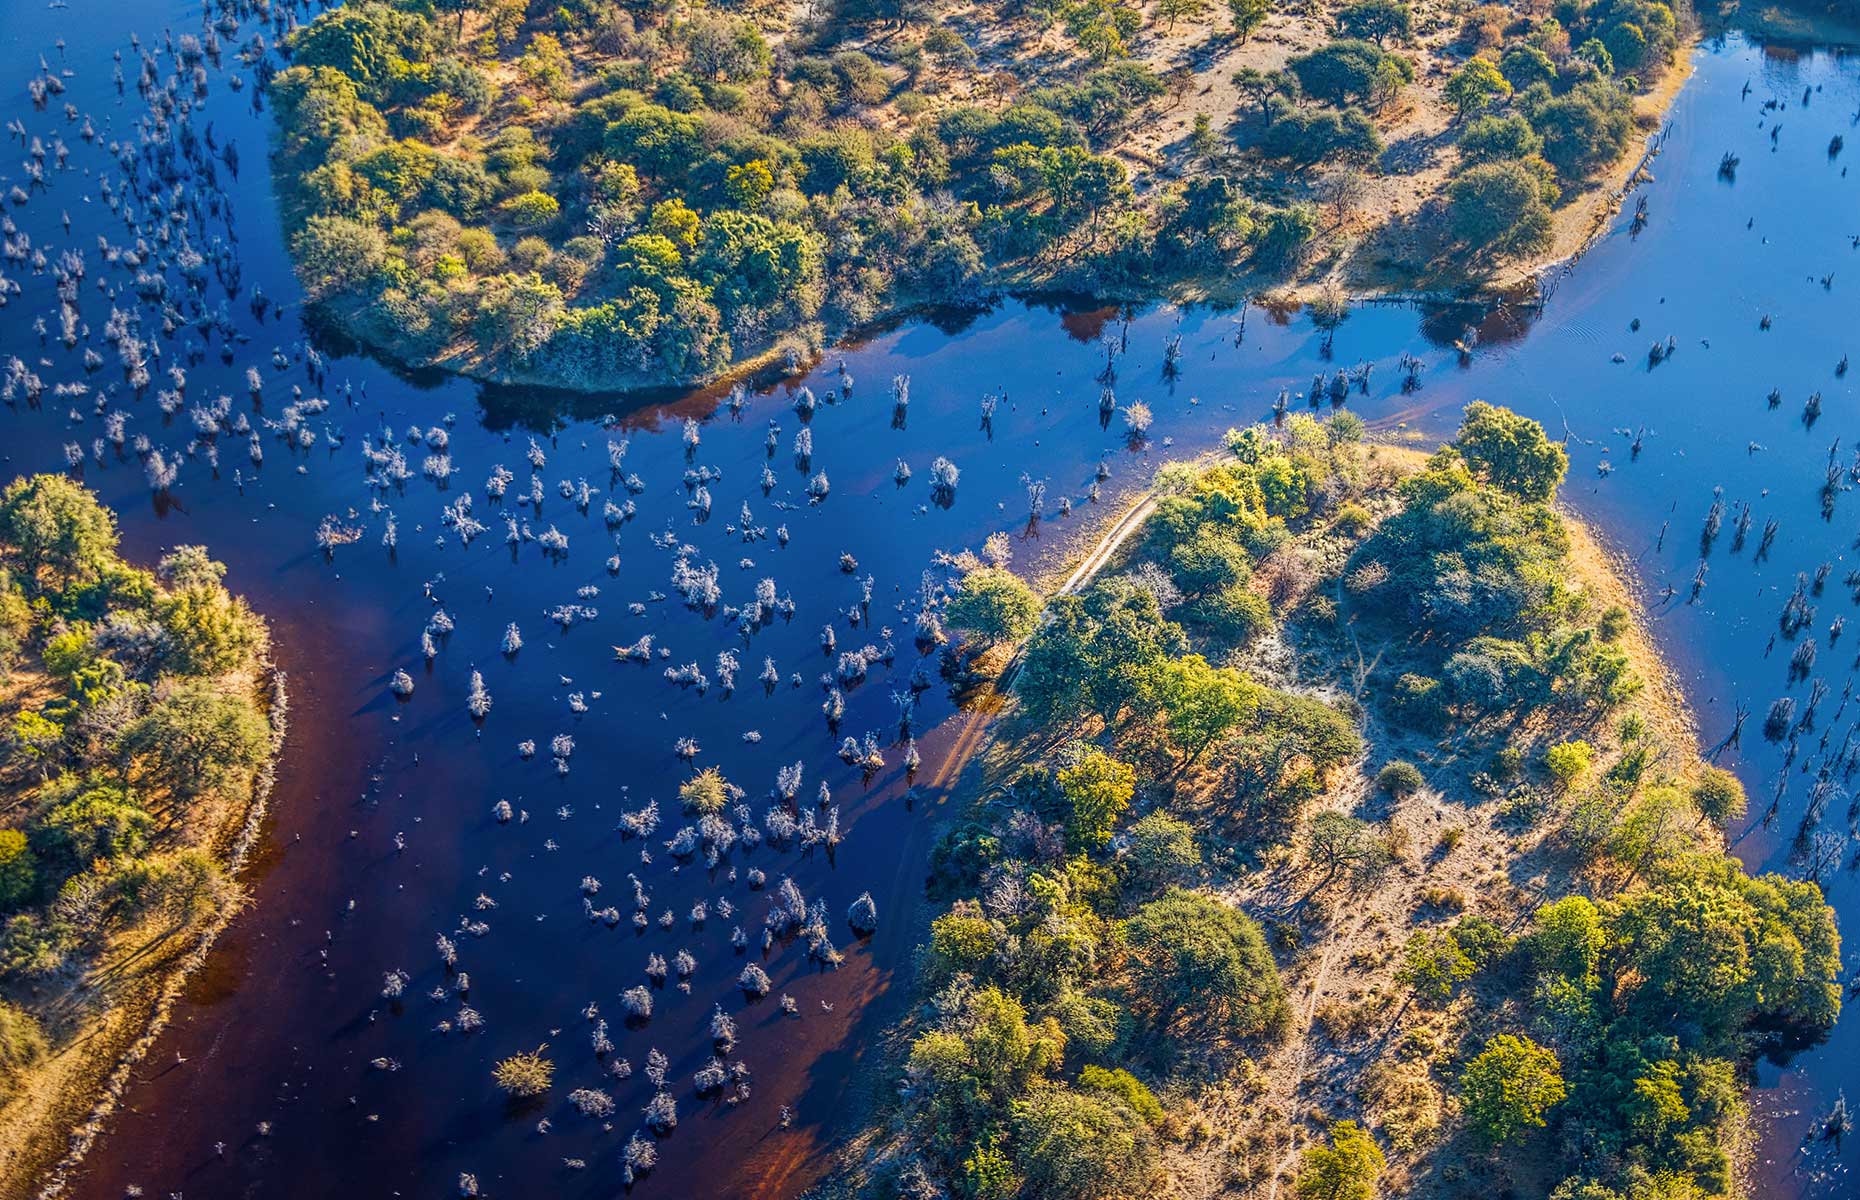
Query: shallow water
[284, 1026]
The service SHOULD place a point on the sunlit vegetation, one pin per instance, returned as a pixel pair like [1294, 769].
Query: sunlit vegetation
[135, 730]
[602, 194]
[1176, 831]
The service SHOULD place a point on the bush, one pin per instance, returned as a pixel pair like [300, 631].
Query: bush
[1346, 1169]
[1400, 779]
[706, 792]
[19, 870]
[1236, 614]
[1351, 519]
[526, 1074]
[30, 947]
[1419, 702]
[1568, 762]
[1718, 795]
[1509, 1087]
[532, 210]
[1127, 1088]
[22, 1043]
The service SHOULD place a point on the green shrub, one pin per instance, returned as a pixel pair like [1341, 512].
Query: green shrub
[1400, 778]
[1126, 1087]
[1718, 795]
[19, 870]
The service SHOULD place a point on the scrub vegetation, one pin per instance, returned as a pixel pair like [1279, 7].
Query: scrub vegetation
[1346, 839]
[600, 194]
[138, 713]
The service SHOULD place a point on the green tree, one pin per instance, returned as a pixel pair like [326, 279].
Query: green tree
[994, 606]
[1170, 11]
[1346, 1169]
[1497, 209]
[1377, 20]
[49, 523]
[749, 185]
[1351, 70]
[1498, 139]
[1337, 842]
[1510, 1086]
[1262, 86]
[100, 822]
[1718, 795]
[1248, 16]
[1476, 86]
[1162, 850]
[1524, 65]
[194, 741]
[1511, 451]
[1568, 763]
[1566, 939]
[209, 632]
[1199, 704]
[1097, 789]
[1434, 964]
[1200, 964]
[336, 255]
[970, 1071]
[1585, 129]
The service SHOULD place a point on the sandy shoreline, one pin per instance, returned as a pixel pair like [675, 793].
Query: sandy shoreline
[52, 1142]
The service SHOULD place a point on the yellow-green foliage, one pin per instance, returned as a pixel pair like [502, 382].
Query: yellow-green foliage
[156, 709]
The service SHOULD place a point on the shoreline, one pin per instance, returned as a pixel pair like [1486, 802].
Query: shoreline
[84, 1113]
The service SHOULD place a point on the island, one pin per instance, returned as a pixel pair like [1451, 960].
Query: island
[1345, 837]
[602, 196]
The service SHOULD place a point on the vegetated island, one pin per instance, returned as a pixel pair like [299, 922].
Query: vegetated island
[141, 720]
[1348, 839]
[600, 195]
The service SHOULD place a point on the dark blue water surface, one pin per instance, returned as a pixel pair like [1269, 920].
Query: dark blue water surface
[287, 1024]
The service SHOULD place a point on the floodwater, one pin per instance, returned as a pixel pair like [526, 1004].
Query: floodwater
[383, 835]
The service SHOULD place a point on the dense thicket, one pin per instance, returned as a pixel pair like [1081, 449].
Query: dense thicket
[601, 192]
